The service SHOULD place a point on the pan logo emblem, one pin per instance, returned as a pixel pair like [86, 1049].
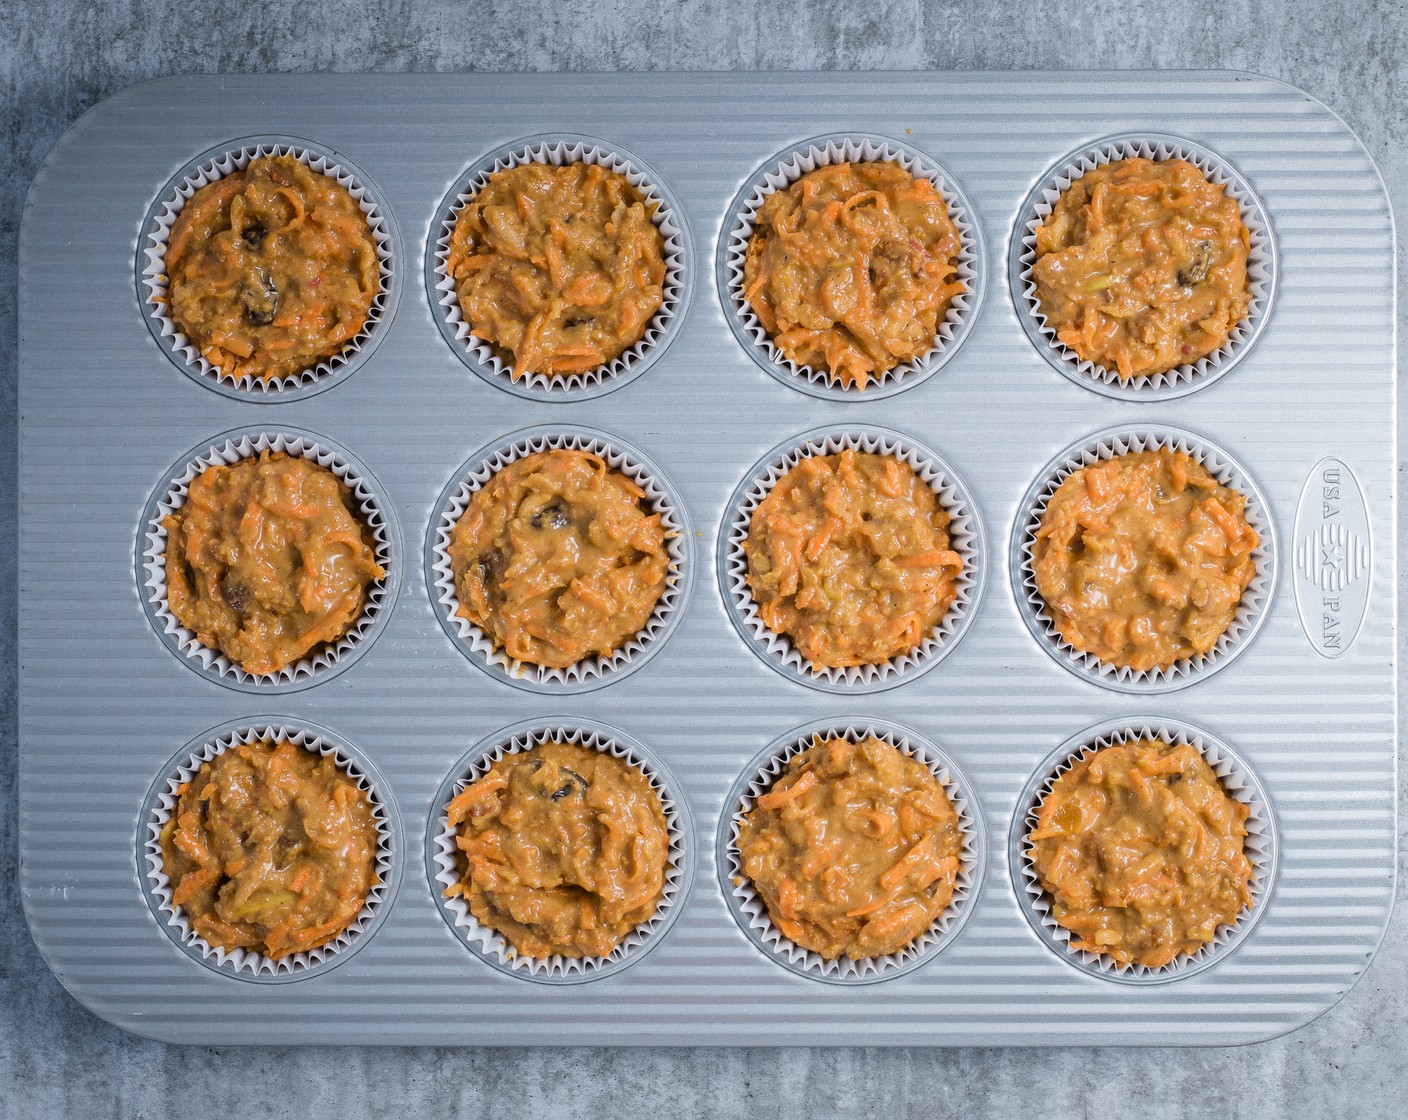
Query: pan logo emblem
[1333, 557]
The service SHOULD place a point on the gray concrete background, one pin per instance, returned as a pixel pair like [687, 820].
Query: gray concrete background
[59, 58]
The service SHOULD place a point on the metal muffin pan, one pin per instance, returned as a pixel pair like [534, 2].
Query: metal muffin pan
[1310, 704]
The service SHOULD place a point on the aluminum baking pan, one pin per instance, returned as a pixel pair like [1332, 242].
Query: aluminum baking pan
[1310, 704]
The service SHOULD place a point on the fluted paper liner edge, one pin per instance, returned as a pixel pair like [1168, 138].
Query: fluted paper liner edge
[242, 960]
[488, 943]
[824, 151]
[155, 282]
[752, 911]
[1261, 266]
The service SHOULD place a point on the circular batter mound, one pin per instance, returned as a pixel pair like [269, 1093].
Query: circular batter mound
[1142, 559]
[563, 850]
[852, 268]
[1141, 266]
[855, 849]
[271, 269]
[558, 558]
[267, 561]
[1142, 852]
[270, 847]
[560, 268]
[849, 557]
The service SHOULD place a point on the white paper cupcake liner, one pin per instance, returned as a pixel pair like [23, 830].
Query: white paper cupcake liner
[1239, 782]
[560, 149]
[376, 513]
[1181, 380]
[247, 964]
[778, 174]
[1256, 599]
[152, 281]
[442, 858]
[965, 538]
[592, 672]
[751, 912]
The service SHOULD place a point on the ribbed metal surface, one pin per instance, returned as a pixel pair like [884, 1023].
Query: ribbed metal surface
[103, 413]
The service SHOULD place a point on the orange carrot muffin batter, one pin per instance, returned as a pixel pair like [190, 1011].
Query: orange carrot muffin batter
[848, 555]
[267, 561]
[1143, 559]
[852, 268]
[270, 847]
[1142, 852]
[560, 268]
[1142, 266]
[563, 850]
[855, 849]
[558, 558]
[271, 269]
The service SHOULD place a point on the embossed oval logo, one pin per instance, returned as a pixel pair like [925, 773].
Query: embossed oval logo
[1332, 557]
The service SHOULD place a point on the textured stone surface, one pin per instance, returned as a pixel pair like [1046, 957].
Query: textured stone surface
[58, 59]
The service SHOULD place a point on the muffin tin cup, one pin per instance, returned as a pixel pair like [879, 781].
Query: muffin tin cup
[965, 538]
[376, 512]
[560, 149]
[1251, 612]
[153, 283]
[785, 169]
[751, 912]
[1181, 380]
[592, 672]
[1240, 783]
[442, 855]
[245, 964]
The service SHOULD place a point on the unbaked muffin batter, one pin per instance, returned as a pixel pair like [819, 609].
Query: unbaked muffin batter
[271, 269]
[849, 556]
[852, 268]
[267, 561]
[1142, 852]
[1142, 266]
[558, 558]
[560, 268]
[855, 849]
[270, 847]
[563, 848]
[1142, 559]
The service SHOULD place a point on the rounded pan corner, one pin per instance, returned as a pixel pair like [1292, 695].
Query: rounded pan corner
[109, 1017]
[1315, 1016]
[84, 120]
[1339, 119]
